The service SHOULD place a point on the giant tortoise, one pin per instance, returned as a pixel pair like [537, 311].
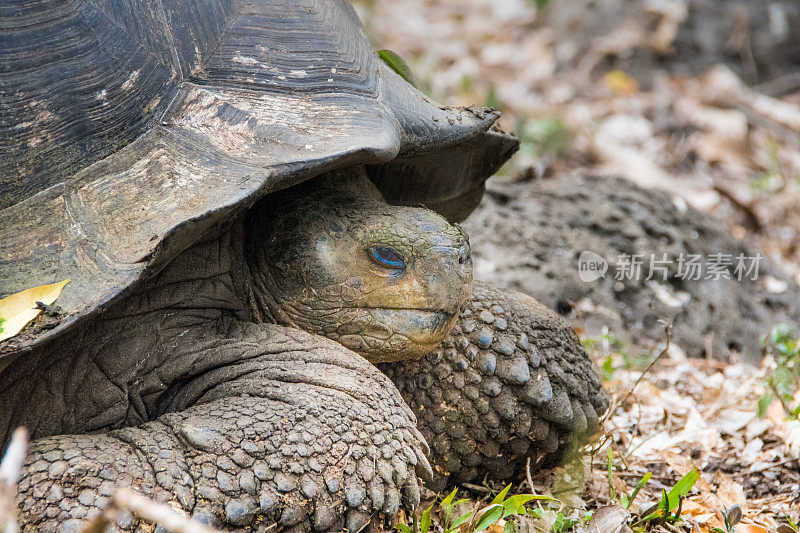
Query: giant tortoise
[252, 209]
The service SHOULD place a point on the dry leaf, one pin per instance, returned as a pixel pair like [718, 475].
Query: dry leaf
[497, 527]
[729, 492]
[791, 435]
[750, 528]
[673, 13]
[621, 83]
[776, 414]
[609, 519]
[19, 309]
[700, 513]
[717, 150]
[723, 85]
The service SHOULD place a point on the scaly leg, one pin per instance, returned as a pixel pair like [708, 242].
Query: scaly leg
[511, 382]
[277, 425]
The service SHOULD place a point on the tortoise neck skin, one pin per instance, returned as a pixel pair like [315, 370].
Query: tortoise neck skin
[387, 282]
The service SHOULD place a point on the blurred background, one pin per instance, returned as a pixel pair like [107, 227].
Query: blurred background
[654, 127]
[697, 99]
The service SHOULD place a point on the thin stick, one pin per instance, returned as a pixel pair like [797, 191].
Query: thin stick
[772, 465]
[10, 469]
[147, 510]
[478, 488]
[668, 332]
[780, 85]
[11, 466]
[528, 474]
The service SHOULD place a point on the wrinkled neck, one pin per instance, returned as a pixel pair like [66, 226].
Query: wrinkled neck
[263, 306]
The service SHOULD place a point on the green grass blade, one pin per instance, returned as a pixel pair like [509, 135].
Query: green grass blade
[682, 487]
[502, 496]
[513, 504]
[425, 520]
[492, 515]
[461, 519]
[397, 64]
[661, 511]
[610, 455]
[448, 499]
[639, 486]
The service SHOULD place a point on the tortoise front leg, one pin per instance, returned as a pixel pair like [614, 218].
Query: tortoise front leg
[511, 382]
[276, 425]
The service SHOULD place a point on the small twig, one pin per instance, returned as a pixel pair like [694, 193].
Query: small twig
[780, 86]
[367, 523]
[772, 465]
[472, 486]
[746, 53]
[633, 448]
[620, 454]
[746, 208]
[147, 510]
[10, 469]
[669, 479]
[668, 333]
[600, 443]
[528, 475]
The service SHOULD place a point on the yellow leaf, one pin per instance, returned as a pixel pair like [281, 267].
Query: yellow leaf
[620, 83]
[19, 309]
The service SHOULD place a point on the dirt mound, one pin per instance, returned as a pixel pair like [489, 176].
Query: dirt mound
[530, 236]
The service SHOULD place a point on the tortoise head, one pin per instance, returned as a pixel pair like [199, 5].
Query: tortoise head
[385, 281]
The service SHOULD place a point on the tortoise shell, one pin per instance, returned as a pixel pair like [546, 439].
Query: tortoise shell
[128, 128]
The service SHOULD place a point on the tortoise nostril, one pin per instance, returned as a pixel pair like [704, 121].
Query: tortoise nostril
[463, 254]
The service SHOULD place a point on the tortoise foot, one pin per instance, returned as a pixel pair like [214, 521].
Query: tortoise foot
[510, 383]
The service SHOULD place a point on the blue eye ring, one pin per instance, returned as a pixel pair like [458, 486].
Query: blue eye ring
[387, 257]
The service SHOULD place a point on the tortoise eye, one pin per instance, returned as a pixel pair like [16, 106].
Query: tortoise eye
[387, 257]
